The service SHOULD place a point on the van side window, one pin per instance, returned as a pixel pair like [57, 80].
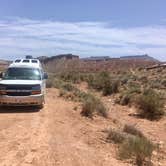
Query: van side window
[18, 60]
[25, 61]
[34, 61]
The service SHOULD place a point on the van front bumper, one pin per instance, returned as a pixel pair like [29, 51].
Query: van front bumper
[21, 100]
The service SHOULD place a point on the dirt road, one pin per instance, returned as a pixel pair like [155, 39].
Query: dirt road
[57, 135]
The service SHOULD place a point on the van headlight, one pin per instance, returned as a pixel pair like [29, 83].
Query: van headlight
[36, 90]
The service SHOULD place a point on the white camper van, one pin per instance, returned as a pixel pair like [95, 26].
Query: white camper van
[23, 84]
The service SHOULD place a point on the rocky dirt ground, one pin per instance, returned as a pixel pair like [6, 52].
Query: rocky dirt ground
[59, 135]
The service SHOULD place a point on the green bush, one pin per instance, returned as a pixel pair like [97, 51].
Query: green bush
[150, 105]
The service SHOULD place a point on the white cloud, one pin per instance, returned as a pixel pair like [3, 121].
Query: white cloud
[24, 36]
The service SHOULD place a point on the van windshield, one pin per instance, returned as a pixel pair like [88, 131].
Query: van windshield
[22, 74]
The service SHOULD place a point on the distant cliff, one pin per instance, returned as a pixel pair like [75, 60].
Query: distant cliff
[68, 62]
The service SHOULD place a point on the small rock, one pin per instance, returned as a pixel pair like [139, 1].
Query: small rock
[159, 164]
[154, 153]
[161, 144]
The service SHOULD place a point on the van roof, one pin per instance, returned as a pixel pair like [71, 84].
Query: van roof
[34, 63]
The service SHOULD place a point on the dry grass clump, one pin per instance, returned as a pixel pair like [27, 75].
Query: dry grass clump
[130, 129]
[139, 148]
[132, 144]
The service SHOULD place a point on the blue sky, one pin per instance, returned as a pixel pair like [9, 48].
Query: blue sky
[85, 27]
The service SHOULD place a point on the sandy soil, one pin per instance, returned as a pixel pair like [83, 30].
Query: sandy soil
[55, 135]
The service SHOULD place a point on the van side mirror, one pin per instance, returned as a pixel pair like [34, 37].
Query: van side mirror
[45, 76]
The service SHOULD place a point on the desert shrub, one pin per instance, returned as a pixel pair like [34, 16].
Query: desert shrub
[136, 90]
[107, 88]
[67, 86]
[139, 147]
[130, 95]
[110, 87]
[133, 84]
[62, 93]
[134, 77]
[124, 80]
[150, 105]
[71, 76]
[99, 80]
[92, 105]
[132, 144]
[57, 83]
[163, 82]
[115, 86]
[50, 83]
[80, 95]
[143, 79]
[90, 80]
[102, 82]
[74, 76]
[72, 93]
[127, 98]
[130, 129]
[155, 84]
[159, 70]
[116, 136]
